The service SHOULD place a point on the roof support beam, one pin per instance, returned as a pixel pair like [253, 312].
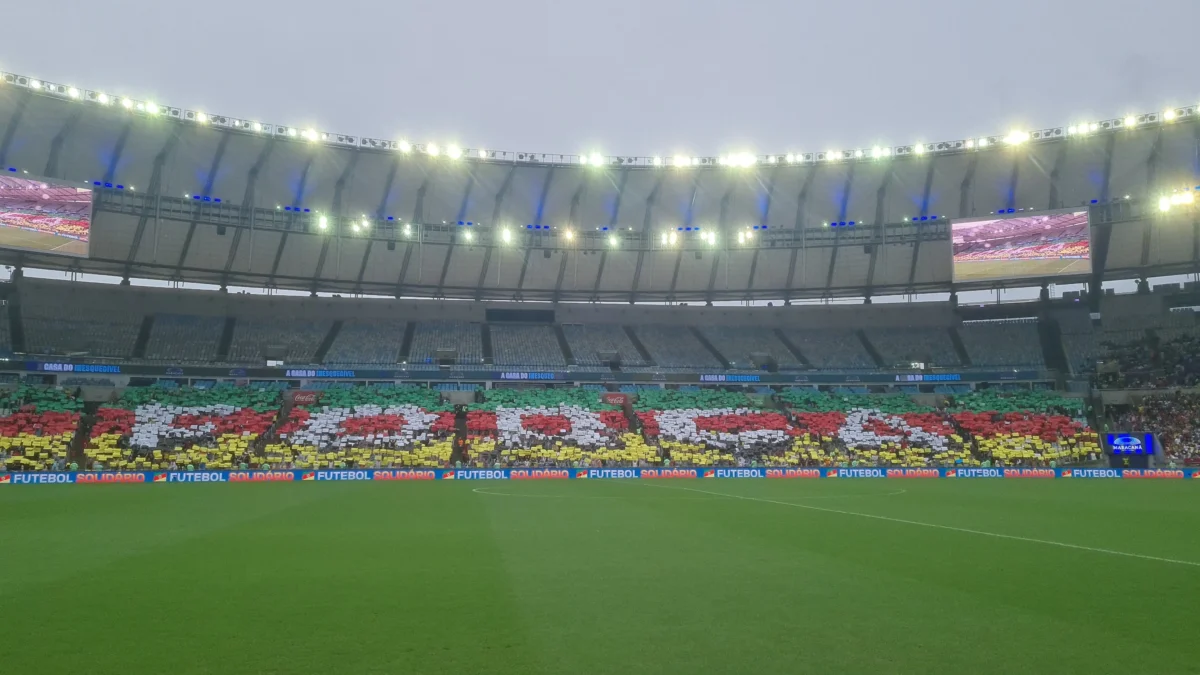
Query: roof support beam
[647, 222]
[298, 198]
[1060, 160]
[497, 206]
[801, 223]
[13, 123]
[1151, 183]
[963, 195]
[837, 236]
[880, 222]
[155, 190]
[339, 190]
[247, 206]
[51, 170]
[599, 275]
[462, 214]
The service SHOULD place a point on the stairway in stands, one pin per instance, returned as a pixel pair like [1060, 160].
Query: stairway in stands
[327, 342]
[143, 337]
[874, 353]
[485, 337]
[637, 344]
[562, 344]
[709, 346]
[791, 347]
[406, 345]
[226, 339]
[959, 347]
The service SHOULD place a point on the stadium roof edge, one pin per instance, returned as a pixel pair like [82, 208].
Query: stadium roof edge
[738, 160]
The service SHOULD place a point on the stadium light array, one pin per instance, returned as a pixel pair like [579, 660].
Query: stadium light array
[613, 241]
[1016, 137]
[454, 152]
[568, 235]
[468, 235]
[505, 235]
[322, 222]
[739, 160]
[407, 230]
[366, 224]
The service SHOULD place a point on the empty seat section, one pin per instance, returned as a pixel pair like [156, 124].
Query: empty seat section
[518, 345]
[367, 342]
[587, 341]
[184, 339]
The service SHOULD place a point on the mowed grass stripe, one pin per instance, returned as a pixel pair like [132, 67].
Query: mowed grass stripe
[595, 577]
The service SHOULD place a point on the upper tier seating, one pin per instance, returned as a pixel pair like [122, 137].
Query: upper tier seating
[367, 342]
[430, 336]
[64, 324]
[184, 339]
[586, 343]
[832, 349]
[675, 347]
[518, 345]
[736, 344]
[1002, 344]
[902, 345]
[299, 339]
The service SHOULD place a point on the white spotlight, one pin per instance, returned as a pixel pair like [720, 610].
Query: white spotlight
[791, 159]
[202, 118]
[453, 152]
[1130, 121]
[596, 159]
[127, 104]
[682, 161]
[672, 238]
[568, 235]
[152, 108]
[983, 142]
[1169, 115]
[322, 222]
[1094, 126]
[919, 149]
[613, 241]
[970, 143]
[1164, 204]
[858, 154]
[664, 239]
[366, 224]
[73, 92]
[1016, 137]
[468, 235]
[657, 161]
[35, 84]
[505, 235]
[483, 154]
[1072, 130]
[404, 146]
[103, 99]
[433, 150]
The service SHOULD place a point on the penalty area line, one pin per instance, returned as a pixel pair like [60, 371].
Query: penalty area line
[951, 528]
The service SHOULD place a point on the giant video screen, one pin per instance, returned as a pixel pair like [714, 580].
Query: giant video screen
[42, 215]
[1045, 245]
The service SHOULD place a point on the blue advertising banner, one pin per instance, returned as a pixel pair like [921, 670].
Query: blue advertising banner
[841, 473]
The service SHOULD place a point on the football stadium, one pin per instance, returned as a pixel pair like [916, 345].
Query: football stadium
[281, 400]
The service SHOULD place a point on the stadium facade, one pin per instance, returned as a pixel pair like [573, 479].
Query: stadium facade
[188, 196]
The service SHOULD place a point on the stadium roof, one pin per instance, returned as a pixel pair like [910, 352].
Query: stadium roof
[213, 199]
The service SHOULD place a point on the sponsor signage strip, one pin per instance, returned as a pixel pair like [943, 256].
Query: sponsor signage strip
[479, 376]
[296, 475]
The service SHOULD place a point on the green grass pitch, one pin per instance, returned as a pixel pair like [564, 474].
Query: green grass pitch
[599, 577]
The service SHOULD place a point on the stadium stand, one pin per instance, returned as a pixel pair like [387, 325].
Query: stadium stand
[832, 349]
[430, 336]
[67, 325]
[298, 338]
[521, 345]
[1002, 343]
[587, 341]
[367, 343]
[737, 343]
[902, 345]
[1174, 417]
[37, 426]
[675, 347]
[184, 339]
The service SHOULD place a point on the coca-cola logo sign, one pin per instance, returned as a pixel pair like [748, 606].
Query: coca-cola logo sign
[306, 397]
[613, 398]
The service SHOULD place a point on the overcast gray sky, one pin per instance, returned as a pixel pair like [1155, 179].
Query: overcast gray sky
[625, 76]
